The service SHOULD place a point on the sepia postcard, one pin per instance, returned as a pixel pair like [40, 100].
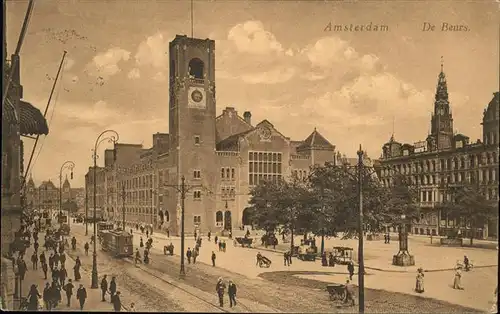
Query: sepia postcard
[250, 156]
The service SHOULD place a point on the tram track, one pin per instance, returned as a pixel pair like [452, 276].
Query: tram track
[220, 309]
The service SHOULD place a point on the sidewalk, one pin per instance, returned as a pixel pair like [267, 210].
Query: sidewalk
[93, 302]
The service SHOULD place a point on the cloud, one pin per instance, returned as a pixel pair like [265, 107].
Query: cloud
[106, 63]
[98, 114]
[134, 74]
[153, 51]
[279, 75]
[68, 64]
[251, 37]
[159, 77]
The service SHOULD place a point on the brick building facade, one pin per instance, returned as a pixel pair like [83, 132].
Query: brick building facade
[221, 157]
[446, 159]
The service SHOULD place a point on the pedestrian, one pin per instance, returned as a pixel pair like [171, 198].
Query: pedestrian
[137, 256]
[147, 233]
[34, 260]
[55, 292]
[419, 285]
[62, 259]
[216, 239]
[219, 288]
[33, 297]
[385, 238]
[350, 269]
[195, 235]
[47, 297]
[388, 238]
[209, 235]
[188, 255]
[69, 291]
[81, 296]
[56, 259]
[146, 256]
[63, 274]
[466, 263]
[457, 282]
[76, 269]
[259, 259]
[117, 303]
[104, 287]
[286, 259]
[331, 260]
[195, 254]
[36, 246]
[112, 287]
[141, 243]
[73, 243]
[168, 233]
[51, 261]
[22, 268]
[43, 259]
[349, 293]
[213, 258]
[86, 247]
[231, 291]
[324, 261]
[220, 245]
[44, 269]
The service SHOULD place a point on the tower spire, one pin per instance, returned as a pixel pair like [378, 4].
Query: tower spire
[442, 63]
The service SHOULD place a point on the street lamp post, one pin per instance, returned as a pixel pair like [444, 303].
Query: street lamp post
[361, 262]
[112, 138]
[123, 208]
[70, 166]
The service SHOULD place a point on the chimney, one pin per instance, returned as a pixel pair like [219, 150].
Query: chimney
[248, 117]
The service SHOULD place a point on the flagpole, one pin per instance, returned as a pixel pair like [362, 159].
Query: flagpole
[192, 27]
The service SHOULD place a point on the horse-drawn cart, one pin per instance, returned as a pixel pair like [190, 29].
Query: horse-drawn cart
[336, 291]
[243, 241]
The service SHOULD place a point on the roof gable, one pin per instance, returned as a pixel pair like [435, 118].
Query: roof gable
[316, 141]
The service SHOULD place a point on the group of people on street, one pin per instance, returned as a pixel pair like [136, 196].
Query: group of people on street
[231, 291]
[387, 238]
[114, 294]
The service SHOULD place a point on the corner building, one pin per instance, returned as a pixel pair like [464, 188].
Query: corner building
[446, 160]
[221, 157]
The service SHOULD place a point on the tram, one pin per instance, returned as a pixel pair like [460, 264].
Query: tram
[103, 226]
[117, 242]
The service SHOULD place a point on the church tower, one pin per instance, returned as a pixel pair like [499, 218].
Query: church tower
[442, 119]
[192, 113]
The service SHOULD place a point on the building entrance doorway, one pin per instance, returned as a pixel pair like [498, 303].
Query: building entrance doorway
[227, 220]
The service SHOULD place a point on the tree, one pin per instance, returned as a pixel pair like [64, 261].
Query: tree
[281, 203]
[337, 189]
[70, 206]
[469, 204]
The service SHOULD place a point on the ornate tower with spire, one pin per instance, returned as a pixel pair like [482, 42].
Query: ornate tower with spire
[442, 119]
[66, 192]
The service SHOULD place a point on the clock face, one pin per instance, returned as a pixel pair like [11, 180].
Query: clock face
[196, 96]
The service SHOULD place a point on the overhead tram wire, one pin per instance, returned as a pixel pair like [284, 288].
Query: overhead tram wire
[50, 120]
[44, 115]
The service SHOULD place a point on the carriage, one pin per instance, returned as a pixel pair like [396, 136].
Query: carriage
[336, 291]
[243, 241]
[64, 229]
[117, 242]
[342, 255]
[307, 250]
[264, 262]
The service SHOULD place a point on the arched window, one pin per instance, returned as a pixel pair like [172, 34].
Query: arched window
[218, 217]
[196, 68]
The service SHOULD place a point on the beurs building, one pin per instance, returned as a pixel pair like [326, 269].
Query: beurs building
[221, 157]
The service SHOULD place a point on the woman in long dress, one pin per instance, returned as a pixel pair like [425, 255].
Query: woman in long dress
[419, 287]
[457, 282]
[33, 298]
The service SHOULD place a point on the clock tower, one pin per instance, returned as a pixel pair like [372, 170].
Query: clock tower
[192, 113]
[442, 119]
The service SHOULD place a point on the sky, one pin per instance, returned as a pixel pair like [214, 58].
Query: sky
[277, 59]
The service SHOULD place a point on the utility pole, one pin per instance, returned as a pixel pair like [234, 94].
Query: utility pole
[183, 189]
[86, 211]
[361, 262]
[123, 202]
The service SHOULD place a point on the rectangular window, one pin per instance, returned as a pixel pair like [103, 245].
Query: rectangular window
[196, 140]
[227, 173]
[233, 172]
[197, 219]
[197, 195]
[262, 166]
[197, 174]
[222, 172]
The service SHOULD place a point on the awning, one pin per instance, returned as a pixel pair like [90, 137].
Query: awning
[31, 119]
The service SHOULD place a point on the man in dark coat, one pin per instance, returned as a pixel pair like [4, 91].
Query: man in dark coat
[51, 261]
[350, 269]
[36, 246]
[188, 255]
[63, 274]
[47, 297]
[81, 296]
[231, 291]
[43, 259]
[73, 243]
[112, 287]
[104, 287]
[62, 259]
[117, 302]
[213, 258]
[22, 268]
[219, 288]
[69, 291]
[34, 260]
[56, 259]
[86, 247]
[45, 269]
